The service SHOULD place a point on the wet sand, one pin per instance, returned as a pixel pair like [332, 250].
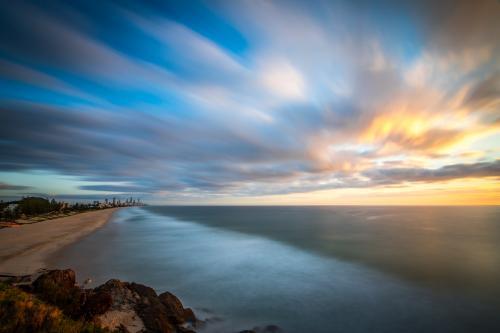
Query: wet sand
[25, 249]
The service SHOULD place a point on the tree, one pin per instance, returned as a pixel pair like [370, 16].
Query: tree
[53, 205]
[34, 206]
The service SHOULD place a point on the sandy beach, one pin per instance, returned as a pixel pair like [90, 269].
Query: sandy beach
[25, 249]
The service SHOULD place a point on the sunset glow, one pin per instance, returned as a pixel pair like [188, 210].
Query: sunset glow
[253, 102]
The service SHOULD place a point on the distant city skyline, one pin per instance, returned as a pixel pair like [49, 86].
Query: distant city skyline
[251, 102]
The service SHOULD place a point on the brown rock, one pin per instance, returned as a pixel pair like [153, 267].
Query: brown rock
[121, 315]
[189, 315]
[117, 305]
[57, 287]
[174, 307]
[151, 310]
[62, 278]
[142, 300]
[97, 303]
[143, 291]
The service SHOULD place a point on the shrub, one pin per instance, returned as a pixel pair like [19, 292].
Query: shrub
[21, 312]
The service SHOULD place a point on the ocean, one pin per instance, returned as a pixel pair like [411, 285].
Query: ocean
[308, 268]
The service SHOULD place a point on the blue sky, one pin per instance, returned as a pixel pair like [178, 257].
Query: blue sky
[249, 101]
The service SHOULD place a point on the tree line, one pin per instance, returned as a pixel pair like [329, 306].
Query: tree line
[33, 206]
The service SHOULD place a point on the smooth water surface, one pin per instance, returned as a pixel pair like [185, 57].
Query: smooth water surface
[309, 269]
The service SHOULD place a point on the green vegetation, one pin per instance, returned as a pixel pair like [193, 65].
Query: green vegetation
[22, 312]
[35, 206]
[28, 206]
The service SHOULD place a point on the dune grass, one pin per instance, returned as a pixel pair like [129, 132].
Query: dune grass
[23, 312]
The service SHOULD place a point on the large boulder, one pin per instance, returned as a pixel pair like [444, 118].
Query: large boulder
[189, 316]
[119, 292]
[152, 312]
[64, 279]
[58, 287]
[121, 315]
[96, 303]
[175, 310]
[138, 305]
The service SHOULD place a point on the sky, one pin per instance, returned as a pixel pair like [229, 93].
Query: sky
[251, 102]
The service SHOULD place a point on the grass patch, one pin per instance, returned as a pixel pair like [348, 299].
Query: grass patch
[23, 312]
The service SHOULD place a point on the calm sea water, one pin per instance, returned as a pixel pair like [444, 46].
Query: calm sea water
[309, 269]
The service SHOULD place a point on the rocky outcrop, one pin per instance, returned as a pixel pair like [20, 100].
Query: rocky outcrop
[58, 287]
[144, 310]
[176, 312]
[122, 312]
[116, 305]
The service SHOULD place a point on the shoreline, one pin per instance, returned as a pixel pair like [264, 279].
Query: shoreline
[26, 249]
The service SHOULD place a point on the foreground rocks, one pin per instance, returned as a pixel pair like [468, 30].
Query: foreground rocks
[115, 305]
[51, 301]
[139, 308]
